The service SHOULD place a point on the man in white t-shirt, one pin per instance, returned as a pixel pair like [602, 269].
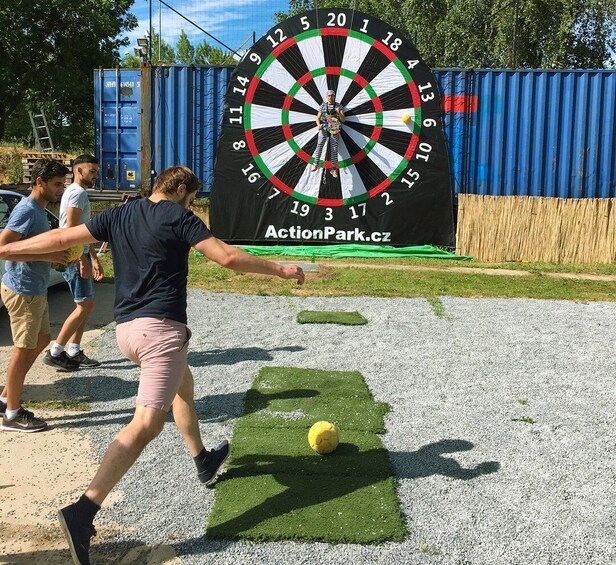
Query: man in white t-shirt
[66, 354]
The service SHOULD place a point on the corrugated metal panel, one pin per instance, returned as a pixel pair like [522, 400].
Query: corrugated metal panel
[535, 133]
[524, 132]
[209, 88]
[458, 107]
[117, 127]
[172, 116]
[187, 111]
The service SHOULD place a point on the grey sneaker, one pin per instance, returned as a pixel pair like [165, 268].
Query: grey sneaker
[62, 362]
[214, 458]
[84, 360]
[24, 421]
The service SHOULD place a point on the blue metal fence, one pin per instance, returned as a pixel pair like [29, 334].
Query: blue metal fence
[522, 132]
[534, 133]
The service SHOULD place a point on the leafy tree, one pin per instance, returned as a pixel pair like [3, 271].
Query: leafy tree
[130, 61]
[185, 51]
[206, 54]
[295, 7]
[162, 52]
[496, 33]
[48, 51]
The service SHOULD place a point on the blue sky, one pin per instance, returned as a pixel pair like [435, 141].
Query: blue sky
[230, 21]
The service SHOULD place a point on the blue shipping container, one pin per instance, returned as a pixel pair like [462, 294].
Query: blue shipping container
[178, 124]
[522, 132]
[117, 128]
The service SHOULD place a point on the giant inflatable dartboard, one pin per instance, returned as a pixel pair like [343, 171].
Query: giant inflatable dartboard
[393, 184]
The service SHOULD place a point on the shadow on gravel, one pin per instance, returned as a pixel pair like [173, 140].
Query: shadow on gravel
[428, 460]
[106, 553]
[221, 407]
[235, 355]
[92, 419]
[97, 387]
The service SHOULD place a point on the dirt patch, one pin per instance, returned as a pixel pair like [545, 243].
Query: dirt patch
[41, 472]
[474, 270]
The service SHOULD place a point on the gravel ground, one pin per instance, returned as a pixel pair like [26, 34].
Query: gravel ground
[475, 484]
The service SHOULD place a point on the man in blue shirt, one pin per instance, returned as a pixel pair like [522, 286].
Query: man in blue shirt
[151, 273]
[24, 291]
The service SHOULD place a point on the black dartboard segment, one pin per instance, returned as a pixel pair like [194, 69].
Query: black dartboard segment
[393, 184]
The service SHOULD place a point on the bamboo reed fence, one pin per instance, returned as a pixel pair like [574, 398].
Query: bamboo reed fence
[523, 228]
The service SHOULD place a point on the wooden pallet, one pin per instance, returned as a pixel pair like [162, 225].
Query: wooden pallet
[28, 160]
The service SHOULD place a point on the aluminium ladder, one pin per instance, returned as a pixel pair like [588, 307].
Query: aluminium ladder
[39, 126]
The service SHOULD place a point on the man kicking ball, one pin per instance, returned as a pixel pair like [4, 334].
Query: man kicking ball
[150, 240]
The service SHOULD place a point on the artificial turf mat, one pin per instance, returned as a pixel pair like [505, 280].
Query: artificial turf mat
[277, 488]
[323, 317]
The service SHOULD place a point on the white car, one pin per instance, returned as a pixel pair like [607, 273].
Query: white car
[8, 201]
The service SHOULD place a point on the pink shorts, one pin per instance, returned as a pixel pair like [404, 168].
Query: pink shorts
[160, 348]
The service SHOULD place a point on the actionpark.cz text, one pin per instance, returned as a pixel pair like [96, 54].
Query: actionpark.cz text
[326, 233]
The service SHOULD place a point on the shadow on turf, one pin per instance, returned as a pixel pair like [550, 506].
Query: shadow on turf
[426, 461]
[221, 407]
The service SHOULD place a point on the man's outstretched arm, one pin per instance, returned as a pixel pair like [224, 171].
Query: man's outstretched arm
[54, 240]
[238, 260]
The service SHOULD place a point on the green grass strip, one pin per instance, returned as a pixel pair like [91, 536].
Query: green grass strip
[322, 317]
[76, 405]
[277, 488]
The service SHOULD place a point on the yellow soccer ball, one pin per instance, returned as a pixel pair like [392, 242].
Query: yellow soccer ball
[74, 253]
[406, 118]
[323, 437]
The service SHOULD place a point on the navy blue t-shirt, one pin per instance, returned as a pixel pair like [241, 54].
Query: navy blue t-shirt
[150, 242]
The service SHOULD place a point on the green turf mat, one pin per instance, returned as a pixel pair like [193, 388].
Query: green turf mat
[291, 397]
[347, 413]
[322, 317]
[349, 509]
[277, 488]
[286, 450]
[314, 382]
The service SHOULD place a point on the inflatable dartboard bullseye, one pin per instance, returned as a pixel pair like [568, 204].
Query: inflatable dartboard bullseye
[393, 185]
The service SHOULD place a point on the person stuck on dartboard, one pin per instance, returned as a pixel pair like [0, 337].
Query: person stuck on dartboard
[328, 120]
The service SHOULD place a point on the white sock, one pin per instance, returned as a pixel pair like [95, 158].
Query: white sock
[4, 399]
[10, 414]
[72, 349]
[56, 349]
